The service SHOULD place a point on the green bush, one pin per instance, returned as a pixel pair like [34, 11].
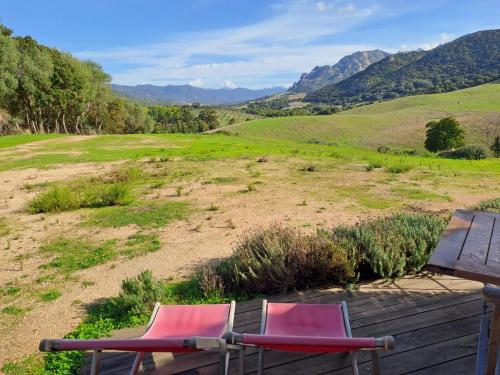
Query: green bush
[383, 149]
[393, 246]
[472, 152]
[279, 259]
[84, 194]
[491, 205]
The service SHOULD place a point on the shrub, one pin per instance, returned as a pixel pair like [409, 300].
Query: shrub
[383, 149]
[392, 246]
[472, 152]
[86, 194]
[491, 205]
[279, 259]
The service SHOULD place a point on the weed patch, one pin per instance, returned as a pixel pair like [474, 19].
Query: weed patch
[71, 255]
[4, 228]
[491, 205]
[12, 310]
[50, 296]
[418, 194]
[145, 214]
[82, 195]
[140, 244]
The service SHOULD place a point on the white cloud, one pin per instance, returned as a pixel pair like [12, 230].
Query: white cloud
[298, 35]
[323, 6]
[198, 82]
[441, 39]
[229, 84]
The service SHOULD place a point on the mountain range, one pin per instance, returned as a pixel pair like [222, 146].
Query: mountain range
[185, 94]
[347, 66]
[470, 60]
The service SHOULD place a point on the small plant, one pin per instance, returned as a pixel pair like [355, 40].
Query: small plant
[4, 228]
[140, 244]
[251, 187]
[309, 168]
[230, 224]
[178, 191]
[383, 149]
[303, 203]
[399, 168]
[50, 296]
[12, 310]
[213, 207]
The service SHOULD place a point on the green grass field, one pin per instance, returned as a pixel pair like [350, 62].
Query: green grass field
[400, 122]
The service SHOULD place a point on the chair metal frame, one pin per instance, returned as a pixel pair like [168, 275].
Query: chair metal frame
[196, 343]
[382, 343]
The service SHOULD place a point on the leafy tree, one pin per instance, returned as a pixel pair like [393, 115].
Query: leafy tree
[444, 135]
[495, 147]
[209, 117]
[9, 58]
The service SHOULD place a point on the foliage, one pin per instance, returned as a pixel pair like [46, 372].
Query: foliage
[31, 365]
[444, 134]
[4, 227]
[85, 194]
[71, 255]
[467, 61]
[279, 259]
[495, 147]
[145, 214]
[492, 205]
[50, 295]
[183, 119]
[140, 244]
[392, 246]
[471, 152]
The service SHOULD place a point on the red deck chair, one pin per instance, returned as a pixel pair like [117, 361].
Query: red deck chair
[312, 329]
[173, 329]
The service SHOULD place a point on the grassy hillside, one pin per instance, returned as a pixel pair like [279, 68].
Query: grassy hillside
[400, 122]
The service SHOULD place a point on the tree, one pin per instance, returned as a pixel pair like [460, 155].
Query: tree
[495, 147]
[9, 58]
[444, 135]
[209, 117]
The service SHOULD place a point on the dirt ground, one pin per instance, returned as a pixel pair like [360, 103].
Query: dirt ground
[281, 192]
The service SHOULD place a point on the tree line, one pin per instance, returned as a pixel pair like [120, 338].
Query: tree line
[44, 90]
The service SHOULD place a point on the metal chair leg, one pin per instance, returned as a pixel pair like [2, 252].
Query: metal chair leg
[354, 363]
[260, 369]
[241, 353]
[137, 363]
[96, 362]
[494, 343]
[375, 363]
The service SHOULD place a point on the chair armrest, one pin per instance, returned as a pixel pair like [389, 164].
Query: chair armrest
[385, 343]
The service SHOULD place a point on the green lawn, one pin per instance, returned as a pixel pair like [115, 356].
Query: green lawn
[14, 140]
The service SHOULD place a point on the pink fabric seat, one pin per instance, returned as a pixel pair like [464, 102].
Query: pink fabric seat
[307, 328]
[168, 331]
[173, 329]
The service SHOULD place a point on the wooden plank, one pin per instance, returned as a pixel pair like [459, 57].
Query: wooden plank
[475, 248]
[446, 254]
[494, 247]
[460, 366]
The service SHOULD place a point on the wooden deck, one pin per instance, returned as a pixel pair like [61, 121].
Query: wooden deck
[434, 320]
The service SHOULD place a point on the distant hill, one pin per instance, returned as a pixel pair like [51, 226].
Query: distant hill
[467, 61]
[190, 94]
[347, 66]
[396, 123]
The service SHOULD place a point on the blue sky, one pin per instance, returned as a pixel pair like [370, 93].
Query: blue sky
[229, 43]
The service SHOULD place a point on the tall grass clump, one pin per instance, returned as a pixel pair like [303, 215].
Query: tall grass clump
[83, 195]
[392, 246]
